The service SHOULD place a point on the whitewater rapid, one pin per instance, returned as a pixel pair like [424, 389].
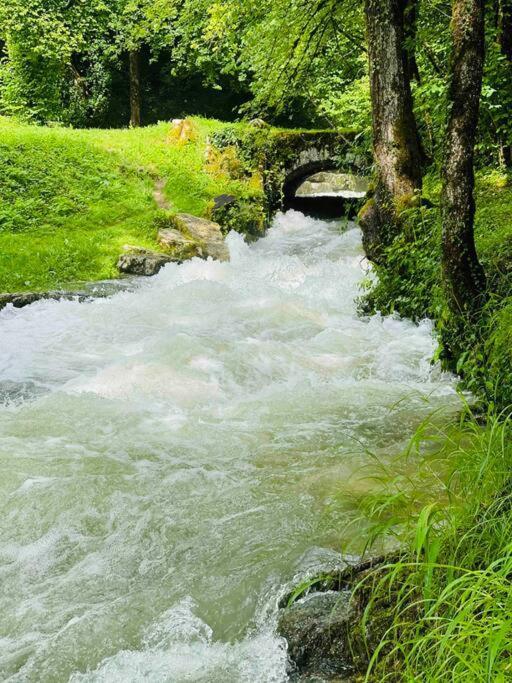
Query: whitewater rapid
[173, 456]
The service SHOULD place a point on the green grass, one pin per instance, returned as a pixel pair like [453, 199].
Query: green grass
[71, 199]
[451, 594]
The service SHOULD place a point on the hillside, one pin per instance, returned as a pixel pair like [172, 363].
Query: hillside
[70, 199]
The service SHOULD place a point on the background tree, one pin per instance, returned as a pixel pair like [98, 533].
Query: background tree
[396, 146]
[306, 61]
[504, 26]
[42, 75]
[464, 276]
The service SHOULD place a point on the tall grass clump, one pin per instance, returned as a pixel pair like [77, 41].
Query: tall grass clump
[449, 596]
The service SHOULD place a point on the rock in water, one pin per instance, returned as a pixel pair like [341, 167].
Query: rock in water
[190, 230]
[330, 637]
[21, 299]
[316, 629]
[143, 262]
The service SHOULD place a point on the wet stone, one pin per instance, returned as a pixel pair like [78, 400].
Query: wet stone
[316, 629]
[206, 234]
[143, 262]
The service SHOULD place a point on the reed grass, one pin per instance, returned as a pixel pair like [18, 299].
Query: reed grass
[451, 591]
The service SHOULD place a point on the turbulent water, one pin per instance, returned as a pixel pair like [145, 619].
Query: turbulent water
[171, 457]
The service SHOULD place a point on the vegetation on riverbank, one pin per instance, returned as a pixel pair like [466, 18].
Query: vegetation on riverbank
[451, 595]
[410, 283]
[448, 599]
[71, 199]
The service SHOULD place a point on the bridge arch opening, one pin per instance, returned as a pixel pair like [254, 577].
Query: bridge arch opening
[321, 189]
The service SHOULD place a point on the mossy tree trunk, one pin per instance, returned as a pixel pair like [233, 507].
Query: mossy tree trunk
[396, 145]
[135, 92]
[464, 276]
[505, 40]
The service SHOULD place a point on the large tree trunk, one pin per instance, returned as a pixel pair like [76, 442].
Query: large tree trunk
[396, 145]
[505, 27]
[463, 274]
[135, 103]
[505, 40]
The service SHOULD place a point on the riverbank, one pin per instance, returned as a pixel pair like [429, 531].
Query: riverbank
[72, 199]
[441, 610]
[411, 284]
[449, 597]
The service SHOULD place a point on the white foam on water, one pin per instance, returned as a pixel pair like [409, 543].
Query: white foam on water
[172, 458]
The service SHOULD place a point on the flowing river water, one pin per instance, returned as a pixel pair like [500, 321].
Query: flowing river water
[172, 456]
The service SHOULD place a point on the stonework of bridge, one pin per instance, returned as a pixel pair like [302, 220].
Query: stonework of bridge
[293, 156]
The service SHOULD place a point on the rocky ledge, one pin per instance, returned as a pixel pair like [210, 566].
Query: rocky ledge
[93, 290]
[187, 236]
[329, 639]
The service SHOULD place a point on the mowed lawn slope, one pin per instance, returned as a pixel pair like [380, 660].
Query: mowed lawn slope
[71, 199]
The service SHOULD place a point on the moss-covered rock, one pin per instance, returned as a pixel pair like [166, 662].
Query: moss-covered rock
[327, 630]
[185, 236]
[143, 262]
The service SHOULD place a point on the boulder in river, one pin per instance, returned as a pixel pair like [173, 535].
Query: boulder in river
[329, 639]
[317, 631]
[191, 234]
[143, 262]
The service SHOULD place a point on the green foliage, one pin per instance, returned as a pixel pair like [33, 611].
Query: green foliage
[347, 105]
[47, 44]
[498, 355]
[409, 282]
[299, 55]
[496, 102]
[245, 216]
[64, 60]
[451, 594]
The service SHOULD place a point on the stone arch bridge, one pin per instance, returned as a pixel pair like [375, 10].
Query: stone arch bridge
[291, 157]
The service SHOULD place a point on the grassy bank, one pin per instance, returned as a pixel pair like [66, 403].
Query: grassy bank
[451, 595]
[449, 599]
[71, 199]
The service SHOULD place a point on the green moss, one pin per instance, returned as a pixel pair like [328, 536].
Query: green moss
[368, 206]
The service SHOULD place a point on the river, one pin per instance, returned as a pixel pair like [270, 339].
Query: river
[173, 456]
